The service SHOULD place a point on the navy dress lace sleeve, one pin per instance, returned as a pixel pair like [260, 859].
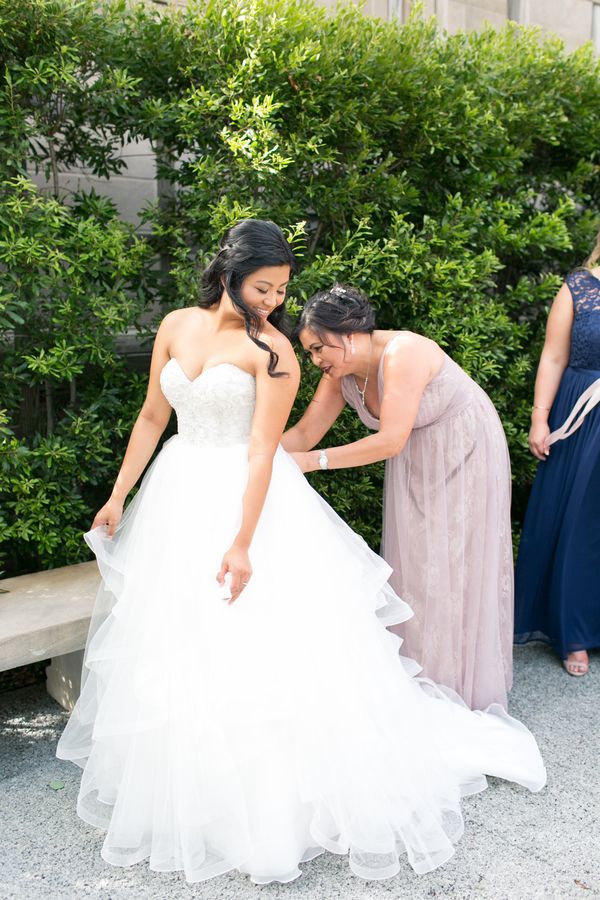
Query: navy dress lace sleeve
[557, 589]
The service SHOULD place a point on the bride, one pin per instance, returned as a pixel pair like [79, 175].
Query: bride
[243, 705]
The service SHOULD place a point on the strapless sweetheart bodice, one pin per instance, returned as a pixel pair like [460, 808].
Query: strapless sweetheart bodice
[216, 408]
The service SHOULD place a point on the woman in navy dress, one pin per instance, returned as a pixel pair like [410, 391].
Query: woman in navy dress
[558, 567]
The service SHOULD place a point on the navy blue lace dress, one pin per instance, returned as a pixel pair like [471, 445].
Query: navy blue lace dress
[557, 589]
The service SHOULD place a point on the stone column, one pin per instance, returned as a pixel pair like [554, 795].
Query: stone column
[399, 9]
[518, 11]
[596, 26]
[63, 678]
[441, 11]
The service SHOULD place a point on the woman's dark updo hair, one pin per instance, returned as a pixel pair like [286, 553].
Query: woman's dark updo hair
[340, 310]
[246, 247]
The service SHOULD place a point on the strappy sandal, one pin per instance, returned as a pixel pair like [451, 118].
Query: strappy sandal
[576, 667]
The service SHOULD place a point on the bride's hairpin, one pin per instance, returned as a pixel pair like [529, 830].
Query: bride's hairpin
[338, 291]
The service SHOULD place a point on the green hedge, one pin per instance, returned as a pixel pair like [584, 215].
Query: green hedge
[454, 179]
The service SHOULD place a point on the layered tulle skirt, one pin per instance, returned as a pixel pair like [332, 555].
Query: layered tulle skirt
[259, 734]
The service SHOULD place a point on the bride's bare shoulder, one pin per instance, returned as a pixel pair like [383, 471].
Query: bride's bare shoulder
[181, 318]
[279, 344]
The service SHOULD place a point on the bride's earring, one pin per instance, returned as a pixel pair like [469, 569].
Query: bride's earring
[352, 348]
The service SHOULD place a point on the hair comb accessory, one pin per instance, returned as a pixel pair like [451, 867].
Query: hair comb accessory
[338, 291]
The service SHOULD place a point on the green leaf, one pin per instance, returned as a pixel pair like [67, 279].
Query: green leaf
[56, 785]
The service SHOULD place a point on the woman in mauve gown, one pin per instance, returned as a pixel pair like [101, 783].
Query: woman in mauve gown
[446, 510]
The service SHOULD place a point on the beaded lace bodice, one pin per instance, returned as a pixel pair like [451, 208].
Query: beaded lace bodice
[216, 408]
[585, 334]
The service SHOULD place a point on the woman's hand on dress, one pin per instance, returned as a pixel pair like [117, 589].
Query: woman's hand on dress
[110, 515]
[236, 563]
[538, 436]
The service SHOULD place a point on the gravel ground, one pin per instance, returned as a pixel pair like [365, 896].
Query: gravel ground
[516, 845]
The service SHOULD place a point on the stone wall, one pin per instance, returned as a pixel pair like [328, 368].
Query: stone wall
[571, 20]
[132, 189]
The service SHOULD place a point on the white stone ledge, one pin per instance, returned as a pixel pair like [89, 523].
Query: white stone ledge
[46, 614]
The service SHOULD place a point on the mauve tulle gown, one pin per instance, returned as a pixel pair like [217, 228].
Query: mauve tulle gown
[447, 535]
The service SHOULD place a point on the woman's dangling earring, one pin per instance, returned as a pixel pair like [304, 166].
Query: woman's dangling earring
[352, 348]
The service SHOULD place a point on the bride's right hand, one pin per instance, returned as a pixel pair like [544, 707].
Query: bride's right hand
[236, 564]
[110, 515]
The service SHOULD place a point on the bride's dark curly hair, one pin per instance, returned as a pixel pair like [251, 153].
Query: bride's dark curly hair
[246, 247]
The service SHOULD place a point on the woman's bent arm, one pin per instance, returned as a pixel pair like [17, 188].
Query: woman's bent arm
[408, 368]
[320, 414]
[553, 362]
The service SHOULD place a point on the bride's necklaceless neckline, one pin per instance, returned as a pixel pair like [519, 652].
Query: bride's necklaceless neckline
[206, 369]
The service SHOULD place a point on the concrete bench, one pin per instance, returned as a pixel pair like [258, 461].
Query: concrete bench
[47, 615]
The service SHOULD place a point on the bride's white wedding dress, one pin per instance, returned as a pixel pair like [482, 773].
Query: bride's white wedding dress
[255, 736]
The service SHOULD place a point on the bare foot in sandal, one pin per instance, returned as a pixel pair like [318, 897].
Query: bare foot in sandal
[577, 663]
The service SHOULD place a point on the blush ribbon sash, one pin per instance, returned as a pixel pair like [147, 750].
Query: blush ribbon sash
[585, 404]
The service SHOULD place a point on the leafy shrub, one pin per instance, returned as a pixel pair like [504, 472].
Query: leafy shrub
[454, 179]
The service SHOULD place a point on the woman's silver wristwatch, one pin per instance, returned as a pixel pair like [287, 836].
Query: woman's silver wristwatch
[323, 461]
